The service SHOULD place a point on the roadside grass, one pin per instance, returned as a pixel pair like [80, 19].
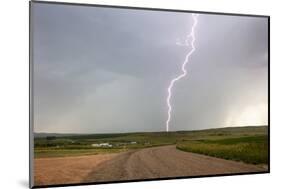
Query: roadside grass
[47, 152]
[253, 149]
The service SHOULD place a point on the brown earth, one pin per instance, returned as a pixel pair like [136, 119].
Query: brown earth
[149, 163]
[66, 170]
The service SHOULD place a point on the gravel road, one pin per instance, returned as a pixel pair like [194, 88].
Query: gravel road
[165, 161]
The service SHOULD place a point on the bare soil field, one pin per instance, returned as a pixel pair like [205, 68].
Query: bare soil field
[149, 163]
[66, 170]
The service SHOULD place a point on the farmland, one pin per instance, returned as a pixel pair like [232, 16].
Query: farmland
[247, 144]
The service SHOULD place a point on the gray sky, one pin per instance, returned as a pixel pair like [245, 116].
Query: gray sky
[102, 70]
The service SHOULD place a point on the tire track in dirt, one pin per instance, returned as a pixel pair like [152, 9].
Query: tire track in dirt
[165, 161]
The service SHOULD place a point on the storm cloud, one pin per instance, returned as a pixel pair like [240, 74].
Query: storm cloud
[102, 70]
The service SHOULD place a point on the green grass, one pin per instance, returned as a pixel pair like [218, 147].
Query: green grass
[252, 149]
[248, 144]
[44, 153]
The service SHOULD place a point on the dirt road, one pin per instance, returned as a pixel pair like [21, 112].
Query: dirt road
[165, 161]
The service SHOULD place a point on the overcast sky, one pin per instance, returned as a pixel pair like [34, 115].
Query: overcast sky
[99, 70]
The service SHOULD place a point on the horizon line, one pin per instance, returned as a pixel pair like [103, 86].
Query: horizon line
[148, 131]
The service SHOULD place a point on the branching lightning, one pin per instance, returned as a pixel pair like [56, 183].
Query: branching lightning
[183, 74]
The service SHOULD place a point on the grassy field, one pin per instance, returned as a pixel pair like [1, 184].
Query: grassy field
[53, 152]
[248, 144]
[253, 149]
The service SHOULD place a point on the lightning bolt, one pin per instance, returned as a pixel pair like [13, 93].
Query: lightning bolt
[183, 74]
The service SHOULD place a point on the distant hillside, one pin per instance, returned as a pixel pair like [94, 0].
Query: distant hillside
[223, 130]
[44, 135]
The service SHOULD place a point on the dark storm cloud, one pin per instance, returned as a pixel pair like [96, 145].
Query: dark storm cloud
[107, 70]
